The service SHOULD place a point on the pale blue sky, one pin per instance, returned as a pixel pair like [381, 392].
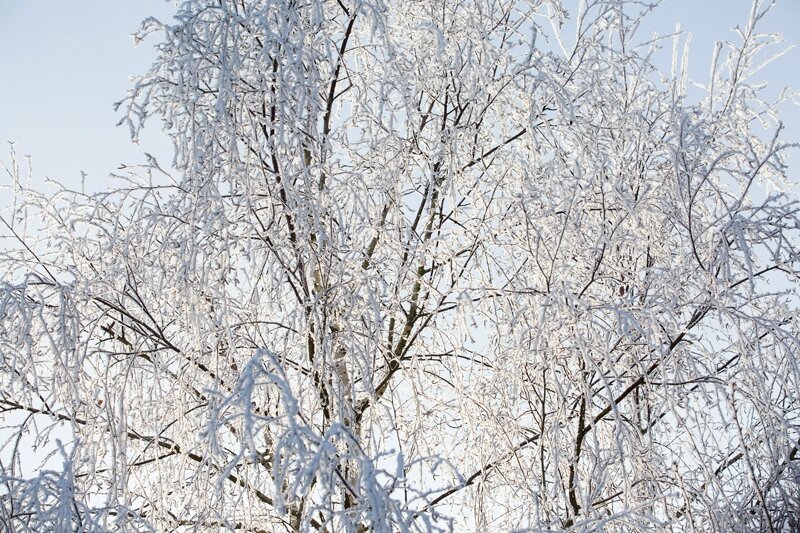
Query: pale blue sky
[63, 64]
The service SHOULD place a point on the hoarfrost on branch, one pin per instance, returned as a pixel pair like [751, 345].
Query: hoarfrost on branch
[420, 266]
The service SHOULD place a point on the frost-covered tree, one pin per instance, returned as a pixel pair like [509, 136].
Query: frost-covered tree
[462, 265]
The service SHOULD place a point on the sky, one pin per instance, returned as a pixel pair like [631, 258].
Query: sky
[64, 63]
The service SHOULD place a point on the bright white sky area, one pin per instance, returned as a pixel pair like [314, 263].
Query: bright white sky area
[64, 63]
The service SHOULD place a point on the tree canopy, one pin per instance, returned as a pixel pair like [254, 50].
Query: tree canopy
[463, 265]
